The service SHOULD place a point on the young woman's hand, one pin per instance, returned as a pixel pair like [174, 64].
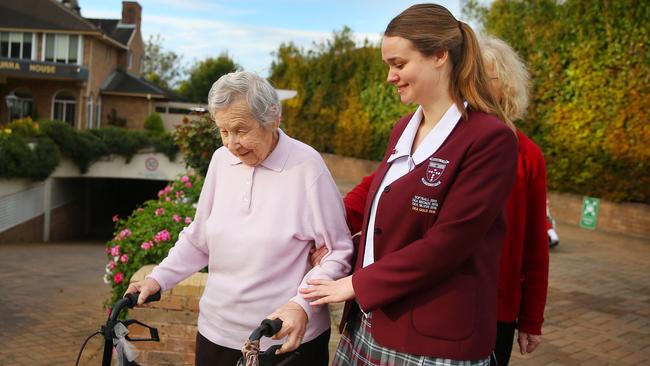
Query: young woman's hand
[321, 292]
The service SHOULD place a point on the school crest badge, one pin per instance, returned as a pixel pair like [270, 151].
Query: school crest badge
[434, 172]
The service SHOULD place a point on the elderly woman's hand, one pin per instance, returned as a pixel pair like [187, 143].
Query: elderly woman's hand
[321, 292]
[146, 288]
[294, 324]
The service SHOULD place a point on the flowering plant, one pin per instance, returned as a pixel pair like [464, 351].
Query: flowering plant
[146, 236]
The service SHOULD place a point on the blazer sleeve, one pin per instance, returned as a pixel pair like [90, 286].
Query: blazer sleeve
[536, 250]
[355, 203]
[470, 208]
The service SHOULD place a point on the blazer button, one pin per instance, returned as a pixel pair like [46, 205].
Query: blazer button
[377, 231]
[387, 189]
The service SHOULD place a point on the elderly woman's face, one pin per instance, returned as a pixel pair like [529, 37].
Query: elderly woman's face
[243, 135]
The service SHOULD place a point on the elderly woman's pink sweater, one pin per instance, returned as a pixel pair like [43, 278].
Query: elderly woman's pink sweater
[253, 229]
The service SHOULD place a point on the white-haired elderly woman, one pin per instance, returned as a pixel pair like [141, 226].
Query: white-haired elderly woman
[523, 277]
[266, 199]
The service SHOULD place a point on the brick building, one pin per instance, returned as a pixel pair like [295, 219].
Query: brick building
[57, 64]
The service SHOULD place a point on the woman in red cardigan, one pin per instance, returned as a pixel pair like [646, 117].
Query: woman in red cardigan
[424, 285]
[523, 277]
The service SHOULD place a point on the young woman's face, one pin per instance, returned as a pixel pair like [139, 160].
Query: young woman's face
[417, 77]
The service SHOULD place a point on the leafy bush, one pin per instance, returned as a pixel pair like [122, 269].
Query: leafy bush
[197, 139]
[146, 236]
[55, 138]
[590, 67]
[154, 123]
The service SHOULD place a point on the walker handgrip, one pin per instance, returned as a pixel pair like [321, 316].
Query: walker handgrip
[271, 326]
[133, 298]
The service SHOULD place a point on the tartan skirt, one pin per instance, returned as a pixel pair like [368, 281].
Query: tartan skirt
[358, 348]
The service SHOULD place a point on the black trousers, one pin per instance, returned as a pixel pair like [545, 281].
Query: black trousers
[312, 353]
[503, 347]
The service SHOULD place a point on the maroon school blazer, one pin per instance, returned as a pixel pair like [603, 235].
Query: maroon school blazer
[438, 234]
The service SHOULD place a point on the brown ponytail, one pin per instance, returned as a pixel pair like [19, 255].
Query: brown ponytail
[432, 28]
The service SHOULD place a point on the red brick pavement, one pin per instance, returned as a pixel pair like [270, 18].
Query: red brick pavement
[50, 300]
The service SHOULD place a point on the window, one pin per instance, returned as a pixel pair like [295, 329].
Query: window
[64, 107]
[63, 48]
[178, 111]
[89, 112]
[160, 109]
[98, 112]
[22, 107]
[16, 45]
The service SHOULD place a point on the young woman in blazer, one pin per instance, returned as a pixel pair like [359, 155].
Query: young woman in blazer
[424, 285]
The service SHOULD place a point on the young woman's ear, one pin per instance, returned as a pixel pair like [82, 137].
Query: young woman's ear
[440, 58]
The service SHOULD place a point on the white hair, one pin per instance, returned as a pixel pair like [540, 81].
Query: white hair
[262, 99]
[512, 74]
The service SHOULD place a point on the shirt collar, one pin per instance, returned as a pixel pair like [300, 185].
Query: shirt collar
[432, 141]
[276, 159]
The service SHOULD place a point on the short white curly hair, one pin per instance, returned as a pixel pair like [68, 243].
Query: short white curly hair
[260, 96]
[512, 73]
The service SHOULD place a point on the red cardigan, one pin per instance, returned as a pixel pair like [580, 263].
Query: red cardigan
[432, 288]
[523, 279]
[523, 276]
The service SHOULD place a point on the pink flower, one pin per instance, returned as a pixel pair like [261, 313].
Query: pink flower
[176, 218]
[162, 236]
[111, 265]
[185, 179]
[188, 220]
[124, 234]
[115, 251]
[167, 199]
[140, 209]
[159, 211]
[179, 194]
[161, 193]
[124, 258]
[188, 184]
[118, 277]
[116, 217]
[146, 245]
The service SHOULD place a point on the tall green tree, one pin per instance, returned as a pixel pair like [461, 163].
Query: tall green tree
[203, 74]
[160, 66]
[590, 68]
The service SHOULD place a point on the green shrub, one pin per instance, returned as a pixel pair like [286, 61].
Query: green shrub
[45, 158]
[197, 139]
[154, 123]
[146, 236]
[15, 155]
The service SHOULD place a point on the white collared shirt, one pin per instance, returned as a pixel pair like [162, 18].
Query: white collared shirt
[402, 162]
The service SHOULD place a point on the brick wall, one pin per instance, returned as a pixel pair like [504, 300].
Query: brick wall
[623, 218]
[66, 222]
[134, 109]
[175, 316]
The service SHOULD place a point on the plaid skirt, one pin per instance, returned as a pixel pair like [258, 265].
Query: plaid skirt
[358, 348]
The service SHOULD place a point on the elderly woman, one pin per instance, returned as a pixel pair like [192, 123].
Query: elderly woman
[523, 276]
[266, 199]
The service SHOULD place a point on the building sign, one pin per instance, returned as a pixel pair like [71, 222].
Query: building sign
[590, 206]
[151, 164]
[11, 67]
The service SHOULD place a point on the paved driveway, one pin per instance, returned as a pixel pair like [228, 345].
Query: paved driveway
[598, 311]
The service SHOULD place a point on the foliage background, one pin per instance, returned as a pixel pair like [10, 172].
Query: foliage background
[590, 68]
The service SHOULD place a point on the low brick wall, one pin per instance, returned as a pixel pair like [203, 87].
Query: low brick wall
[175, 316]
[621, 218]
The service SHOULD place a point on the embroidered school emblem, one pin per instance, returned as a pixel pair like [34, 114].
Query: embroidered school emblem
[434, 172]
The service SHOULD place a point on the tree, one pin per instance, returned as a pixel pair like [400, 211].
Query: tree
[161, 67]
[203, 74]
[590, 66]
